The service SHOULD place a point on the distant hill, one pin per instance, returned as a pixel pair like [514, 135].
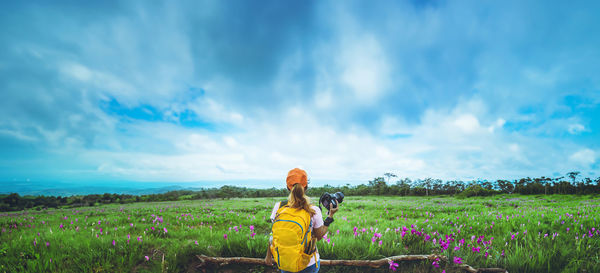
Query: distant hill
[69, 189]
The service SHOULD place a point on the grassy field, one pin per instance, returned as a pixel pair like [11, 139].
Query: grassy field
[519, 233]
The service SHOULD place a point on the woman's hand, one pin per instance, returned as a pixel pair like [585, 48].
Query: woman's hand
[332, 210]
[269, 259]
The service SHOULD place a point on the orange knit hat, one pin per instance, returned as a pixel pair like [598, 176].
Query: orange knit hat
[296, 176]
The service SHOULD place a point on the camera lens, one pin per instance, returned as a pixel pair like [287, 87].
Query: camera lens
[339, 196]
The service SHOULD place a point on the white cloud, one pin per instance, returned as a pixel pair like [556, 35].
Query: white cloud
[211, 110]
[467, 123]
[497, 125]
[364, 67]
[576, 128]
[583, 157]
[323, 99]
[76, 71]
[267, 149]
[394, 125]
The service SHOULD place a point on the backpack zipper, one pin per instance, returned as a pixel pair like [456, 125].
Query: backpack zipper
[278, 264]
[306, 234]
[292, 222]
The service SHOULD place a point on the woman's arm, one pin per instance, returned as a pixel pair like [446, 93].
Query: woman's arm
[322, 230]
[269, 258]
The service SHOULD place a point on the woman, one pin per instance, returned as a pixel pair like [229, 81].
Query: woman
[297, 184]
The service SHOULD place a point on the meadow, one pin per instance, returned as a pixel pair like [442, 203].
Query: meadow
[554, 233]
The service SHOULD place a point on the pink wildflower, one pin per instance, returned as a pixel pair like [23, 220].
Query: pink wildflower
[457, 260]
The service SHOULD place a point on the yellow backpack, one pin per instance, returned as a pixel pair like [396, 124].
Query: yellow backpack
[292, 231]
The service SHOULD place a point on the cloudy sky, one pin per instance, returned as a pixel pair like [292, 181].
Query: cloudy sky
[236, 91]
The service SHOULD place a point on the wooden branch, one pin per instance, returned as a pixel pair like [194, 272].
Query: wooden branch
[470, 269]
[222, 261]
[229, 260]
[382, 262]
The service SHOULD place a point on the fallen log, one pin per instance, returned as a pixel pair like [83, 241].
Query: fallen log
[382, 262]
[470, 269]
[223, 261]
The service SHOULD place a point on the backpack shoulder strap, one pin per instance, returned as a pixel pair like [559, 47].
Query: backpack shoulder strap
[282, 204]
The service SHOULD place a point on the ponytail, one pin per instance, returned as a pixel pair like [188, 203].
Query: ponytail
[298, 199]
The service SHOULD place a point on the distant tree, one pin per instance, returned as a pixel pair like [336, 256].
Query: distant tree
[506, 186]
[427, 185]
[389, 175]
[573, 175]
[13, 199]
[378, 186]
[404, 186]
[487, 185]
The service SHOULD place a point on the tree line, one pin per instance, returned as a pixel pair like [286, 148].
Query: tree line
[383, 185]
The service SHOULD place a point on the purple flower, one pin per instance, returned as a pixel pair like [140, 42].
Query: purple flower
[225, 236]
[113, 243]
[393, 265]
[251, 228]
[165, 229]
[47, 244]
[457, 260]
[147, 258]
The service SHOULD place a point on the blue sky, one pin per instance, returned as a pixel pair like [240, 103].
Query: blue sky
[179, 91]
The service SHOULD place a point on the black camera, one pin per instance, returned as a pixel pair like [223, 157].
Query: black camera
[332, 199]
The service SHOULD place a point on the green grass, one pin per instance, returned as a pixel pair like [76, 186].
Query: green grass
[80, 247]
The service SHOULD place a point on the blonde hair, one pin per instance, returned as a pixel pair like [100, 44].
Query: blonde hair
[298, 199]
